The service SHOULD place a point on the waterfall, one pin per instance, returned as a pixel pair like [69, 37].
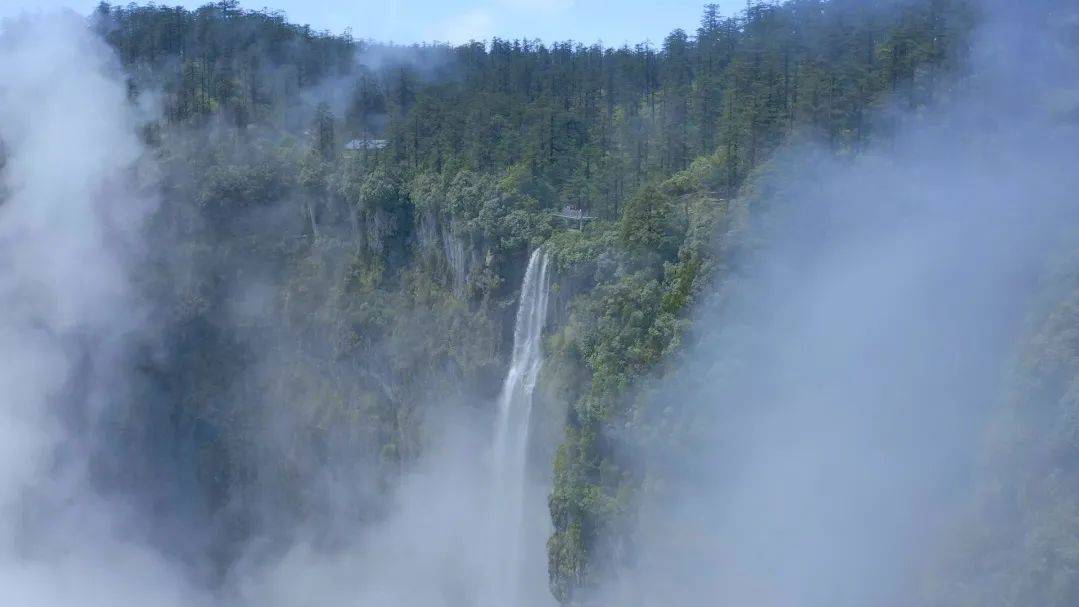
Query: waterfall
[516, 533]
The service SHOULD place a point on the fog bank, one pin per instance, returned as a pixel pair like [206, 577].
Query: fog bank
[829, 424]
[69, 226]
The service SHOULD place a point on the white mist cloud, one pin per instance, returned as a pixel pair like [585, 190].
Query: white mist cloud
[78, 196]
[68, 225]
[869, 329]
[438, 547]
[836, 407]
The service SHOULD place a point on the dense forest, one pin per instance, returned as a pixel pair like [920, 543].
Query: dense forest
[481, 143]
[343, 228]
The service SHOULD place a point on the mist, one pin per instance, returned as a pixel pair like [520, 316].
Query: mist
[834, 412]
[104, 486]
[248, 365]
[70, 223]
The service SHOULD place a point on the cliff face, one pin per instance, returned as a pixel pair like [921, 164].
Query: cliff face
[339, 299]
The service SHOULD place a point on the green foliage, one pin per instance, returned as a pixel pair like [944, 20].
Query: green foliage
[1020, 538]
[381, 190]
[387, 236]
[648, 222]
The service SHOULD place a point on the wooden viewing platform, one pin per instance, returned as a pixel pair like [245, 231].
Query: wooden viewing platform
[574, 214]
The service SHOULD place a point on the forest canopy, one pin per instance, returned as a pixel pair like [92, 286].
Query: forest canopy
[437, 167]
[334, 238]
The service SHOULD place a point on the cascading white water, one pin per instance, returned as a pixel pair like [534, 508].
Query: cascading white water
[514, 532]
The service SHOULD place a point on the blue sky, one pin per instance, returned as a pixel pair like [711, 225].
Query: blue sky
[610, 21]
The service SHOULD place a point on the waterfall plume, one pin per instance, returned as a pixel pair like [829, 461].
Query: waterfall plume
[513, 530]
